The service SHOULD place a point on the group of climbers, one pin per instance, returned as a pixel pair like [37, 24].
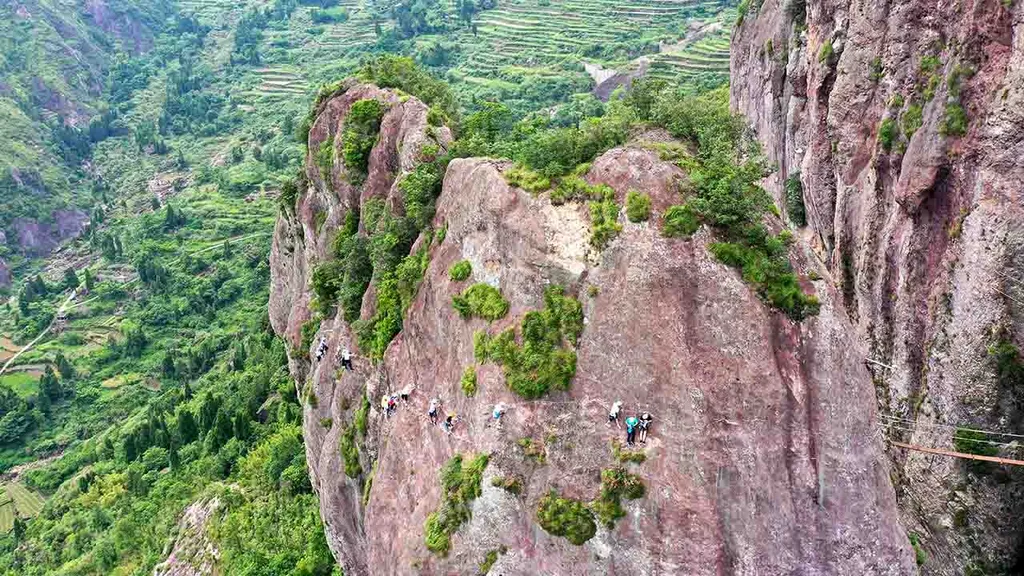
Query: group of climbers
[389, 403]
[633, 424]
[433, 414]
[346, 355]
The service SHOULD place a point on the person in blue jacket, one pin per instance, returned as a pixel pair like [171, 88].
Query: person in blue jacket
[631, 425]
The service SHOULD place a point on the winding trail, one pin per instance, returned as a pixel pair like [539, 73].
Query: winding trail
[63, 307]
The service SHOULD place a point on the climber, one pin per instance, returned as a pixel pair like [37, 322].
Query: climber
[449, 423]
[346, 359]
[613, 414]
[645, 423]
[405, 392]
[498, 411]
[384, 405]
[322, 348]
[392, 403]
[435, 405]
[631, 424]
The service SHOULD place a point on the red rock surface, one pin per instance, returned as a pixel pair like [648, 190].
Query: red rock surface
[764, 457]
[925, 244]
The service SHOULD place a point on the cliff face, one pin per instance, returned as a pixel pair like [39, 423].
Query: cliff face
[904, 124]
[764, 456]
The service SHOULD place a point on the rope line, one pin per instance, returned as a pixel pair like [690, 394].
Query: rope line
[939, 452]
[1005, 444]
[949, 426]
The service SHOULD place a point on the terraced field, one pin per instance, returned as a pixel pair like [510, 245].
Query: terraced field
[280, 82]
[708, 55]
[17, 499]
[506, 45]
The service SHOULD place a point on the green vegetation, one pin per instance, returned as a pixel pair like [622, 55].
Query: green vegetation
[1009, 365]
[350, 452]
[534, 450]
[929, 69]
[638, 206]
[634, 456]
[460, 271]
[877, 70]
[510, 484]
[361, 418]
[888, 132]
[489, 560]
[468, 381]
[18, 501]
[741, 11]
[574, 188]
[522, 177]
[358, 136]
[545, 360]
[565, 517]
[954, 121]
[920, 556]
[728, 198]
[912, 119]
[795, 200]
[825, 55]
[974, 442]
[460, 485]
[616, 484]
[680, 221]
[604, 225]
[481, 300]
[325, 159]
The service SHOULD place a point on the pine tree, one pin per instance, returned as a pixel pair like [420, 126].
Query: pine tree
[48, 384]
[64, 367]
[208, 410]
[172, 456]
[187, 429]
[43, 402]
[70, 278]
[167, 367]
[223, 430]
[130, 449]
[89, 282]
[241, 426]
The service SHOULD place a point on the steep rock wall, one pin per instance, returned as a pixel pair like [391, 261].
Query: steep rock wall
[921, 230]
[764, 457]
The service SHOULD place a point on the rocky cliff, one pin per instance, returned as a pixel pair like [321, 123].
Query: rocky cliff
[901, 125]
[764, 457]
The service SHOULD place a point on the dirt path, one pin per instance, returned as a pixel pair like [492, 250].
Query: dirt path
[220, 243]
[66, 305]
[16, 471]
[29, 346]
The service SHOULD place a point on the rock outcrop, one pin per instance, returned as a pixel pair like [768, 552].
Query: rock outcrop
[193, 553]
[903, 123]
[764, 458]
